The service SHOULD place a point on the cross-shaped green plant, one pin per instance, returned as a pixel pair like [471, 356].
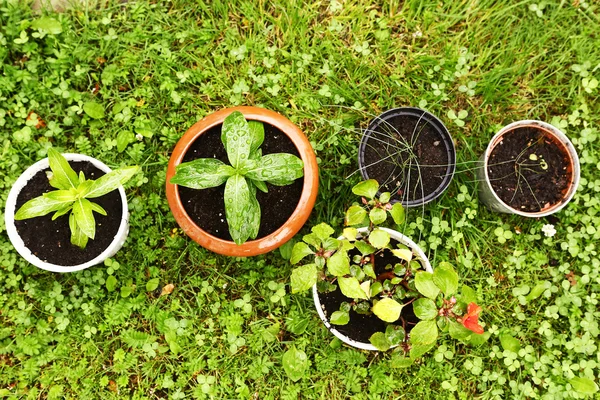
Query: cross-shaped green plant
[248, 171]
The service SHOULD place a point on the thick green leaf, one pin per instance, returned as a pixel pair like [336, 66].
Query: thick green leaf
[417, 350]
[400, 361]
[459, 332]
[377, 216]
[509, 343]
[278, 169]
[364, 248]
[62, 211]
[63, 176]
[446, 278]
[78, 238]
[380, 341]
[202, 173]
[303, 278]
[350, 287]
[257, 132]
[350, 233]
[385, 197]
[387, 309]
[425, 285]
[111, 181]
[94, 110]
[339, 318]
[300, 251]
[123, 140]
[538, 290]
[467, 295]
[285, 250]
[403, 254]
[355, 215]
[236, 136]
[47, 24]
[39, 206]
[397, 213]
[238, 207]
[338, 264]
[323, 231]
[583, 385]
[395, 334]
[425, 309]
[379, 238]
[295, 363]
[111, 283]
[367, 188]
[424, 333]
[82, 210]
[260, 185]
[152, 284]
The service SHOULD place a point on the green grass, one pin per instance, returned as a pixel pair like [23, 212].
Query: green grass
[157, 67]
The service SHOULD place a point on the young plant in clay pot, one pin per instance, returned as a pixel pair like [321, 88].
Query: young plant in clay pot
[410, 152]
[80, 224]
[375, 289]
[242, 181]
[529, 168]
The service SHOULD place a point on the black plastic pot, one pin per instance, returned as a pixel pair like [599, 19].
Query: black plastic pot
[380, 159]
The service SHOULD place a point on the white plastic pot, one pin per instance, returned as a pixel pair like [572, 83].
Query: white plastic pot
[494, 202]
[17, 241]
[349, 341]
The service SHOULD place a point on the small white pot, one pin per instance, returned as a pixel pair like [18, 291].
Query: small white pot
[487, 194]
[16, 240]
[361, 345]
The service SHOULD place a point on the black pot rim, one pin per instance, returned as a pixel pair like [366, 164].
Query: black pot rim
[437, 124]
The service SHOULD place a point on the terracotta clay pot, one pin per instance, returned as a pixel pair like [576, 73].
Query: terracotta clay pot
[283, 233]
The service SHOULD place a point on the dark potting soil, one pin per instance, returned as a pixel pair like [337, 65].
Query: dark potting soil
[362, 326]
[50, 240]
[524, 183]
[408, 159]
[206, 207]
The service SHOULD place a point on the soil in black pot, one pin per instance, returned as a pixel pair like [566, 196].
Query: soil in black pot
[362, 326]
[206, 207]
[407, 158]
[50, 240]
[529, 170]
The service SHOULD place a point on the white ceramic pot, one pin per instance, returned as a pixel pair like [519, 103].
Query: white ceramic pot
[349, 341]
[491, 199]
[16, 240]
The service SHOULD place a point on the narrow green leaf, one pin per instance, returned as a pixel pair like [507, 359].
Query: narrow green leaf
[202, 173]
[257, 132]
[254, 213]
[339, 318]
[424, 333]
[78, 238]
[379, 238]
[367, 188]
[94, 110]
[238, 205]
[237, 139]
[425, 285]
[111, 181]
[278, 169]
[303, 278]
[338, 264]
[355, 215]
[63, 176]
[377, 216]
[388, 309]
[39, 206]
[584, 385]
[300, 251]
[350, 287]
[425, 309]
[62, 211]
[446, 278]
[82, 210]
[97, 208]
[380, 341]
[295, 363]
[260, 185]
[397, 213]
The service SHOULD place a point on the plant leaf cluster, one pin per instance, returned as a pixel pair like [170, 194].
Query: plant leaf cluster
[72, 197]
[249, 171]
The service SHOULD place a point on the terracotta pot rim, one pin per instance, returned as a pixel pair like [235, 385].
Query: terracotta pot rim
[561, 140]
[294, 222]
[17, 241]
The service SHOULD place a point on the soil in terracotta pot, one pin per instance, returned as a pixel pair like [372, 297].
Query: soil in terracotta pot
[408, 159]
[361, 327]
[529, 170]
[50, 240]
[206, 207]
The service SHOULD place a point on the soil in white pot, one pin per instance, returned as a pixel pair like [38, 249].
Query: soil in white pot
[50, 240]
[206, 207]
[529, 170]
[362, 326]
[408, 159]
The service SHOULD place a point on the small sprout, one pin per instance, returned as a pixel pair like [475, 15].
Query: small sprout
[533, 157]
